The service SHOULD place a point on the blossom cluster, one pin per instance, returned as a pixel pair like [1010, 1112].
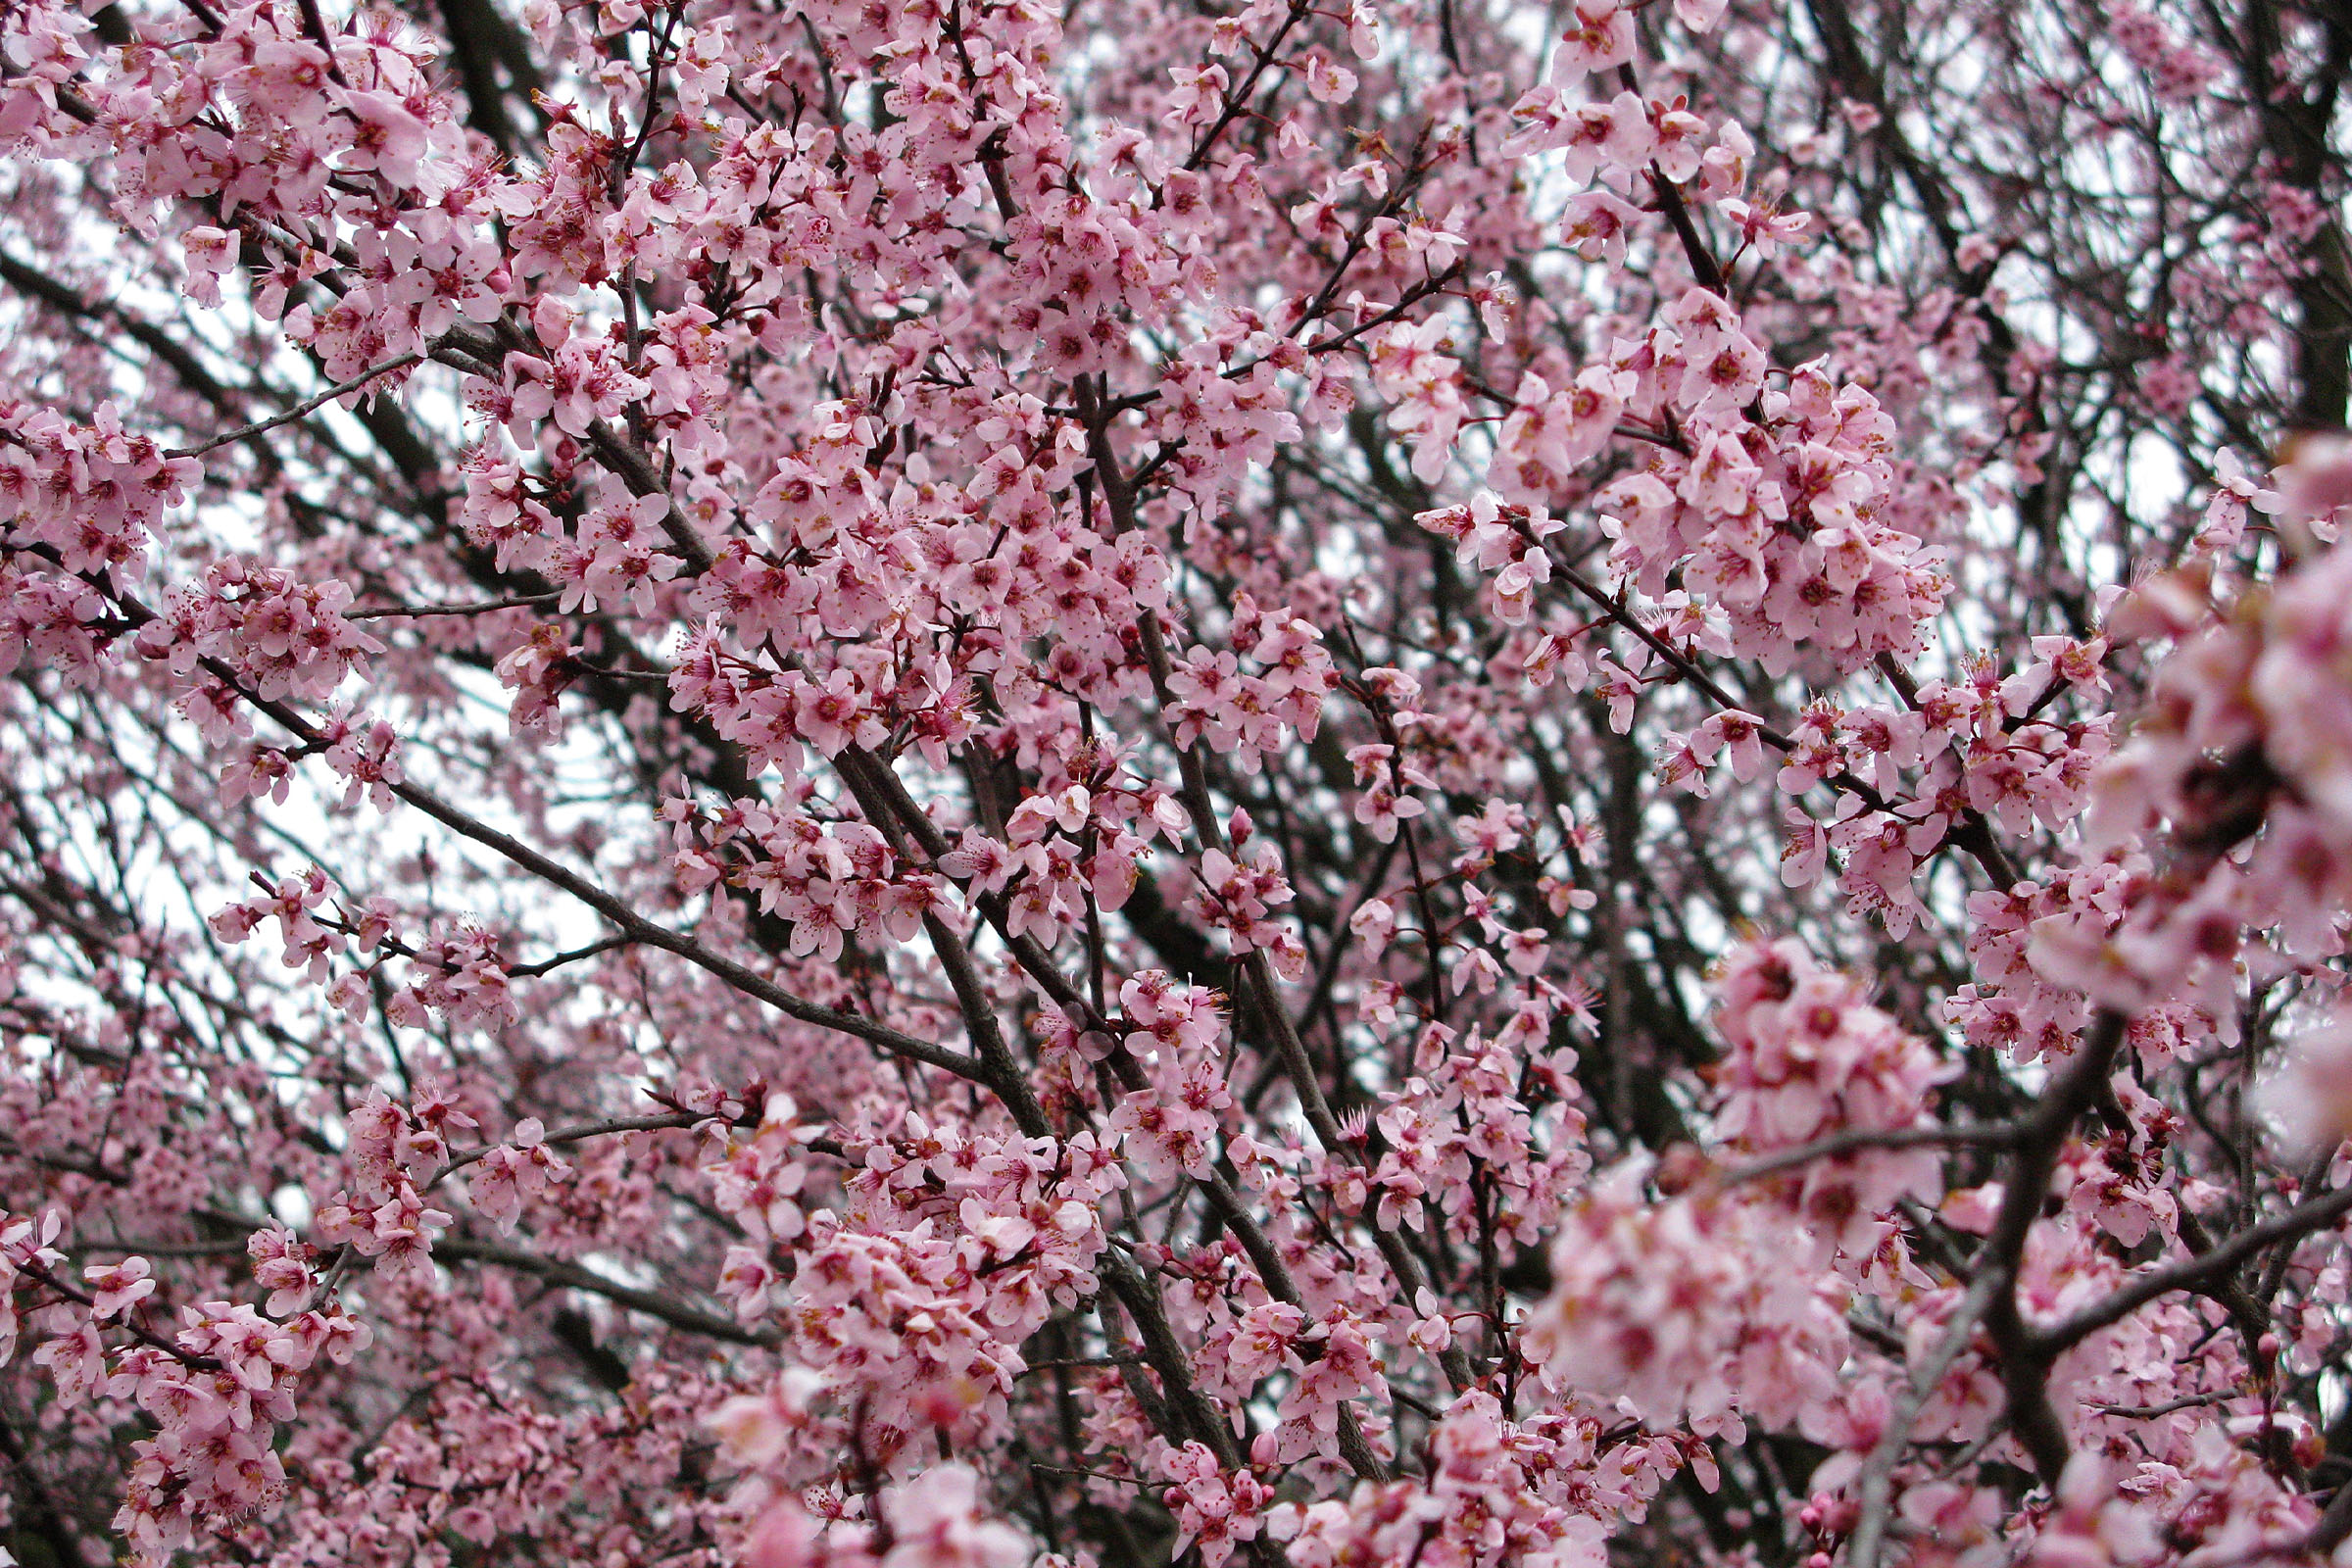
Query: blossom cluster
[1689, 1305]
[1383, 785]
[1810, 1058]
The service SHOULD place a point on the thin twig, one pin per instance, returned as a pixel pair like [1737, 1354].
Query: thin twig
[2302, 1219]
[1877, 1472]
[572, 1135]
[532, 971]
[1996, 1135]
[187, 1359]
[2149, 1412]
[420, 611]
[300, 410]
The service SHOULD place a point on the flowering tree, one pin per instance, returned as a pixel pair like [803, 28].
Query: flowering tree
[1427, 785]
